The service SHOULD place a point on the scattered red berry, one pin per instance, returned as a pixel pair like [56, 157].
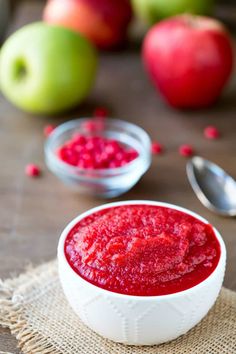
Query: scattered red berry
[95, 152]
[186, 150]
[211, 132]
[100, 112]
[157, 148]
[93, 125]
[32, 170]
[48, 129]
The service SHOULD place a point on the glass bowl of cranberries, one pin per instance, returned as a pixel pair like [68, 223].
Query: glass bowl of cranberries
[97, 156]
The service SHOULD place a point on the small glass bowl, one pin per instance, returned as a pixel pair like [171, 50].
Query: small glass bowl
[105, 183]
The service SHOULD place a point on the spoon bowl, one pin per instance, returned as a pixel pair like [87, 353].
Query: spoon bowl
[213, 186]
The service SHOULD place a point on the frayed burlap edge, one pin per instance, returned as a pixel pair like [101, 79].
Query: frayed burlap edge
[12, 310]
[14, 303]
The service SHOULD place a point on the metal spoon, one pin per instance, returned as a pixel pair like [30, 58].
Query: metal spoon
[213, 186]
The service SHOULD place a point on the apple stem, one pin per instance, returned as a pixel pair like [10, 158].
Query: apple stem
[20, 70]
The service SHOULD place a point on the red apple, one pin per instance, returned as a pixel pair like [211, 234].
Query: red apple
[189, 59]
[104, 22]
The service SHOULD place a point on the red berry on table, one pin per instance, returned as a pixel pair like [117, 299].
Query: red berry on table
[186, 150]
[211, 132]
[100, 112]
[48, 129]
[157, 148]
[32, 170]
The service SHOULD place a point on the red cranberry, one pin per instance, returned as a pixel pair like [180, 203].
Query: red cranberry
[211, 132]
[90, 145]
[186, 150]
[114, 164]
[119, 156]
[93, 125]
[81, 164]
[48, 129]
[112, 147]
[131, 155]
[100, 112]
[32, 170]
[157, 148]
[89, 126]
[79, 139]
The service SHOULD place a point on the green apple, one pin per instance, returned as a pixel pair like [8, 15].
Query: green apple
[46, 69]
[152, 11]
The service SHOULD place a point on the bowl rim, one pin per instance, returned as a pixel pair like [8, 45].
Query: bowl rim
[111, 172]
[61, 250]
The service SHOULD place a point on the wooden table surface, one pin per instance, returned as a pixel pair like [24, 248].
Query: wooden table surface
[33, 212]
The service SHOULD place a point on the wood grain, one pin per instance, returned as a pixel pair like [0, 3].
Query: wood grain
[34, 212]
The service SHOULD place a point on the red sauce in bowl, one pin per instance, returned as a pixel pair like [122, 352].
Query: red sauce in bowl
[142, 250]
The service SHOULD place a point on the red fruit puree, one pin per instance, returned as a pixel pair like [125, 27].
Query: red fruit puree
[95, 152]
[142, 250]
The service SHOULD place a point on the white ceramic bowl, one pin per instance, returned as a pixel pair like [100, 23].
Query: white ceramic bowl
[139, 320]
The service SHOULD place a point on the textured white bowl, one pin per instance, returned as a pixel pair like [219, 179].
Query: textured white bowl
[139, 320]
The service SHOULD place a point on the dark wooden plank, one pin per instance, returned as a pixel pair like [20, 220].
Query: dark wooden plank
[8, 343]
[33, 212]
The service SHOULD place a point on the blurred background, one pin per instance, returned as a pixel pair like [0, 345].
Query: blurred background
[31, 218]
[225, 10]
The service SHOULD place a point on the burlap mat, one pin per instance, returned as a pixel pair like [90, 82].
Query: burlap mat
[34, 308]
